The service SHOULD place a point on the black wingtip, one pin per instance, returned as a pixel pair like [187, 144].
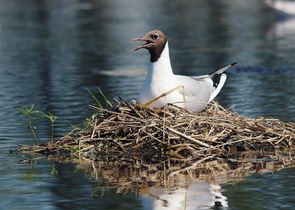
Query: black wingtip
[234, 63]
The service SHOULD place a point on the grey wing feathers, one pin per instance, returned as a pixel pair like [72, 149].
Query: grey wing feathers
[211, 75]
[206, 87]
[220, 71]
[217, 79]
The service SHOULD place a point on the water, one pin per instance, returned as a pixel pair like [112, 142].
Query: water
[260, 192]
[52, 51]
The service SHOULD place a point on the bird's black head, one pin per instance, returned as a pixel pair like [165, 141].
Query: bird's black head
[155, 43]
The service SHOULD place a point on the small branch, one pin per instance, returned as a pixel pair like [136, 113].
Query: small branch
[152, 136]
[233, 142]
[188, 137]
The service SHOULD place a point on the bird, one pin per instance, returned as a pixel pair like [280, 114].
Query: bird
[163, 87]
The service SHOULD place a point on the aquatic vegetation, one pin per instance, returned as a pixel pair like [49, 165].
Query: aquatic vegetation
[29, 112]
[52, 118]
[105, 98]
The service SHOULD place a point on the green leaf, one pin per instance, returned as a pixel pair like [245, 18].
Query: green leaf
[34, 118]
[93, 96]
[34, 112]
[32, 107]
[52, 117]
[105, 98]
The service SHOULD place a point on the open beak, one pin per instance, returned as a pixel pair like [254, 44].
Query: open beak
[148, 43]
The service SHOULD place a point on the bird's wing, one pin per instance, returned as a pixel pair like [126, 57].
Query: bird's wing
[195, 90]
[205, 87]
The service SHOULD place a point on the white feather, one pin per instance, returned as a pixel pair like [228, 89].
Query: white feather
[198, 90]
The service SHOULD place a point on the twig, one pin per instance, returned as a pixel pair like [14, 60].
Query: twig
[188, 138]
[232, 142]
[152, 137]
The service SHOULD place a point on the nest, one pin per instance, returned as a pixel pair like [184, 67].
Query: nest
[126, 129]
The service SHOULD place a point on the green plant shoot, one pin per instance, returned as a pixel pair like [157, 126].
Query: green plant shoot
[52, 118]
[93, 96]
[105, 98]
[29, 112]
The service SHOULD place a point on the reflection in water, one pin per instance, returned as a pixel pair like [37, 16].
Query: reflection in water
[282, 8]
[281, 34]
[176, 184]
[42, 53]
[199, 195]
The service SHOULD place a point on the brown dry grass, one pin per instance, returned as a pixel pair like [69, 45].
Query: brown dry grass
[127, 129]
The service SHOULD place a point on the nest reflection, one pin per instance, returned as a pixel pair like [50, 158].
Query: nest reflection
[181, 173]
[177, 183]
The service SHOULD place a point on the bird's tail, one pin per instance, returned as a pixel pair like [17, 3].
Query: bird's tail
[218, 77]
[220, 71]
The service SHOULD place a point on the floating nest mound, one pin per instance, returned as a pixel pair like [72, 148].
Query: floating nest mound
[126, 129]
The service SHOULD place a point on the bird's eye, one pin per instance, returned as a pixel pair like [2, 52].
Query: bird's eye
[155, 36]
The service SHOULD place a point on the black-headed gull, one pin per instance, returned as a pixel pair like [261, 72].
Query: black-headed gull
[193, 93]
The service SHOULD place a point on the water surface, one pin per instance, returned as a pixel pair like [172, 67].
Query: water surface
[52, 51]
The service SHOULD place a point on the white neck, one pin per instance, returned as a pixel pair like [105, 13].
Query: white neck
[162, 67]
[159, 72]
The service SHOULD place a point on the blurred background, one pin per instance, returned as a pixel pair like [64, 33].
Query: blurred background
[51, 51]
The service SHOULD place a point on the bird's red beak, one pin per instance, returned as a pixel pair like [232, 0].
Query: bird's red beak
[142, 46]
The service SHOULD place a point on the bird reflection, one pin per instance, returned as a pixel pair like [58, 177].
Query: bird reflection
[198, 195]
